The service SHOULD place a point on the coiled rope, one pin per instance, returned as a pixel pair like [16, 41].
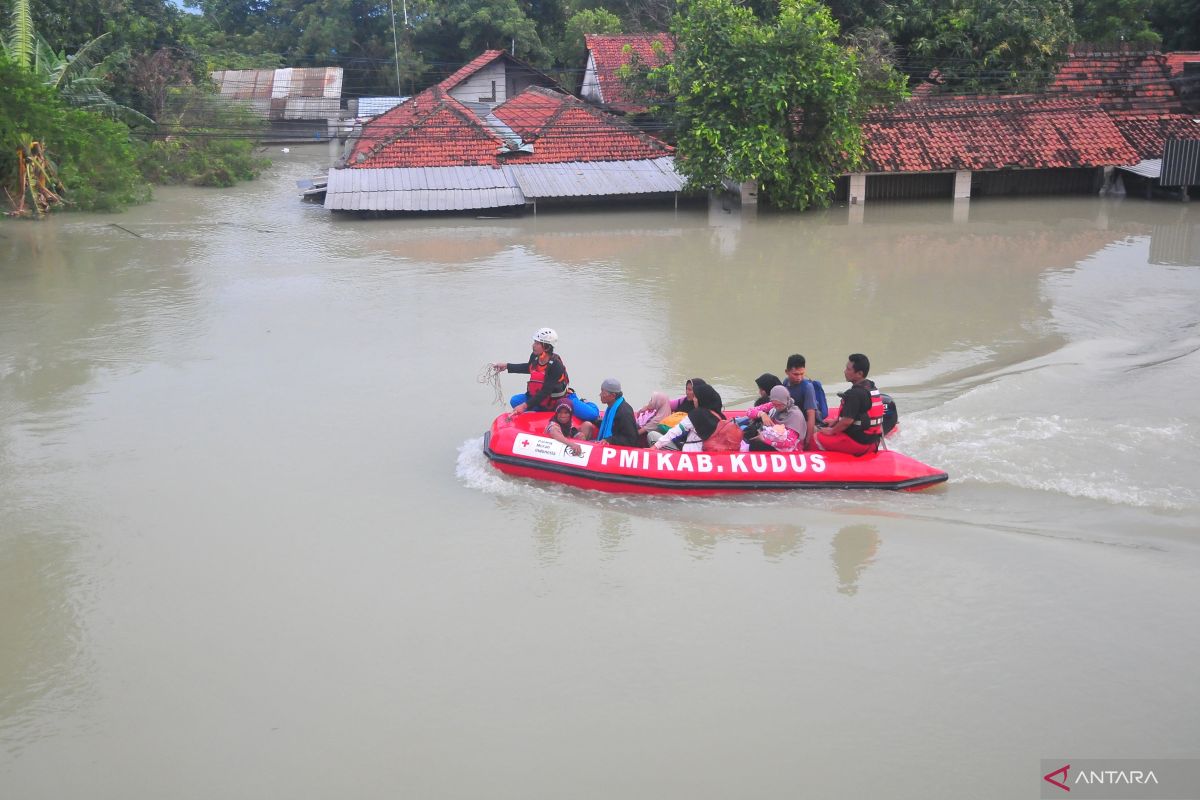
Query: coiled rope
[490, 375]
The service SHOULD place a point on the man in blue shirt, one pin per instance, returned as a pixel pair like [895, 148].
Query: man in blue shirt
[801, 390]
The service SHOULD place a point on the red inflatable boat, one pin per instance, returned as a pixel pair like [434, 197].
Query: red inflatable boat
[516, 447]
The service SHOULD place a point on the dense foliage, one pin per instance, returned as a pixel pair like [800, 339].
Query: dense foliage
[95, 159]
[776, 101]
[204, 143]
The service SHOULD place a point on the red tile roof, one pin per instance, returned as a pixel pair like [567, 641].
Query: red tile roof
[564, 128]
[988, 133]
[1176, 60]
[1124, 84]
[435, 130]
[470, 68]
[610, 52]
[1149, 134]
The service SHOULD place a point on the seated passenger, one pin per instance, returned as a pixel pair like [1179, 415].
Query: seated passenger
[783, 424]
[688, 401]
[650, 415]
[695, 432]
[859, 425]
[560, 428]
[766, 382]
[617, 426]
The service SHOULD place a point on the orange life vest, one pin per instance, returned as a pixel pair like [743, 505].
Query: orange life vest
[537, 377]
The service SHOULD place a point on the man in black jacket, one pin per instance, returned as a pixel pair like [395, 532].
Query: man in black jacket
[618, 427]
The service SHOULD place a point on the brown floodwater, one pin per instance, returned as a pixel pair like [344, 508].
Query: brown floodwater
[250, 547]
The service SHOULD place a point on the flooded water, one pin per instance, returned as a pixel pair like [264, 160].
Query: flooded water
[249, 546]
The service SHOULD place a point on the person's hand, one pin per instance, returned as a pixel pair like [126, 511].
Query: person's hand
[575, 449]
[519, 409]
[500, 366]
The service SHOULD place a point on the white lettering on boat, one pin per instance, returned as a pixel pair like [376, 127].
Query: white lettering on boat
[737, 463]
[685, 463]
[704, 463]
[758, 462]
[664, 462]
[629, 459]
[818, 462]
[606, 454]
[778, 462]
[799, 464]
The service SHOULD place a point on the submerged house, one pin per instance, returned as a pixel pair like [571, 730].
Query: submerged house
[302, 104]
[977, 146]
[607, 54]
[494, 135]
[1102, 112]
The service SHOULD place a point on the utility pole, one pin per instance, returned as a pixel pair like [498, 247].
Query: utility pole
[395, 42]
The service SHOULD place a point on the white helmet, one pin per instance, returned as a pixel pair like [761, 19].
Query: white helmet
[546, 336]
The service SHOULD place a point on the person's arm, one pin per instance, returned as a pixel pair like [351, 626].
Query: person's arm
[684, 425]
[847, 415]
[554, 431]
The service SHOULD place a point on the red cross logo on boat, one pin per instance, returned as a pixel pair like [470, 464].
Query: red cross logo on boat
[524, 443]
[1049, 777]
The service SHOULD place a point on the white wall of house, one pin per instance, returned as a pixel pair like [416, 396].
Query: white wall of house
[590, 90]
[485, 86]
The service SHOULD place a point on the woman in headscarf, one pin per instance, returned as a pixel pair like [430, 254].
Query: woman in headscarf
[654, 412]
[698, 425]
[688, 401]
[766, 382]
[559, 427]
[783, 424]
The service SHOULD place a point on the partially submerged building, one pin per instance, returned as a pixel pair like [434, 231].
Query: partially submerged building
[302, 104]
[979, 146]
[608, 54]
[496, 135]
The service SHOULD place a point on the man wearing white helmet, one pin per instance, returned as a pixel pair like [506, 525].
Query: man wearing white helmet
[548, 382]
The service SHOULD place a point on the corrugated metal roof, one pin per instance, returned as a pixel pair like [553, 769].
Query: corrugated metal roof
[244, 84]
[420, 189]
[597, 178]
[374, 106]
[1150, 168]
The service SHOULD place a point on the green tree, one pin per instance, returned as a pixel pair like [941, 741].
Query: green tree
[777, 102]
[982, 45]
[1115, 21]
[204, 140]
[1179, 23]
[96, 161]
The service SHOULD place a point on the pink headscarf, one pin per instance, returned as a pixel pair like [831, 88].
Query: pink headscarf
[658, 409]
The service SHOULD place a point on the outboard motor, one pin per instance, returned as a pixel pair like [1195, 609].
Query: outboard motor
[891, 417]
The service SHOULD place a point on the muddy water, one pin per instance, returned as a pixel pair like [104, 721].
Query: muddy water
[249, 546]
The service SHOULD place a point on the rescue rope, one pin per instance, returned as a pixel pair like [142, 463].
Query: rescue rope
[491, 376]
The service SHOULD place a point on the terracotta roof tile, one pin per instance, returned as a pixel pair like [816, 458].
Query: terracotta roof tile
[1149, 134]
[470, 68]
[435, 130]
[610, 52]
[989, 133]
[1124, 84]
[1176, 60]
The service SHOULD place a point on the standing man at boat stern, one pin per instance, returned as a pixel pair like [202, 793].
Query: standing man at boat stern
[859, 425]
[548, 383]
